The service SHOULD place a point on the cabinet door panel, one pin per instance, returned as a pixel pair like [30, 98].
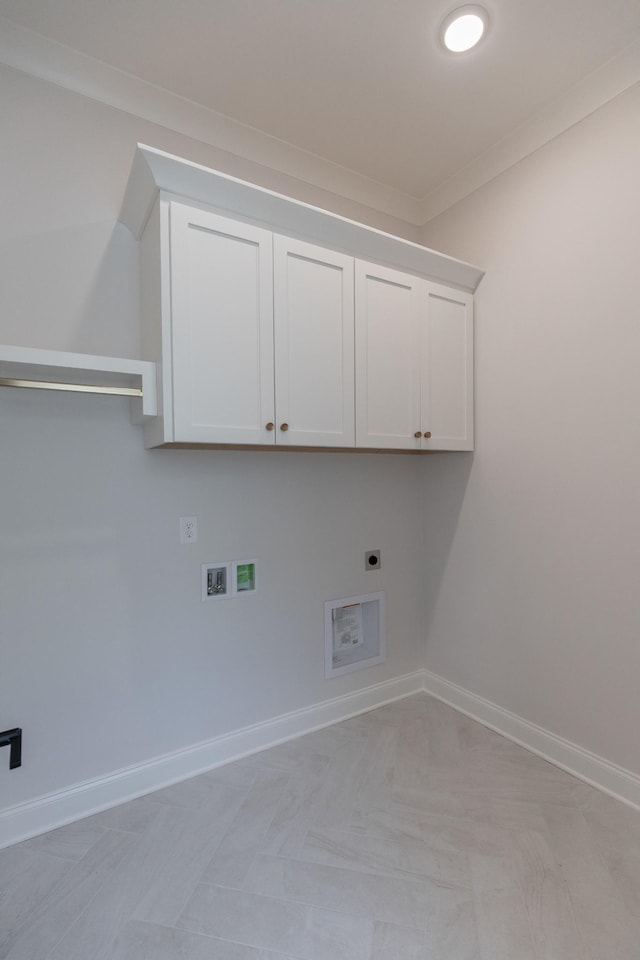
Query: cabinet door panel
[387, 358]
[313, 306]
[222, 328]
[448, 362]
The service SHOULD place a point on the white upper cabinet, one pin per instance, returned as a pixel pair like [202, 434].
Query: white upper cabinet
[414, 362]
[313, 315]
[275, 323]
[256, 333]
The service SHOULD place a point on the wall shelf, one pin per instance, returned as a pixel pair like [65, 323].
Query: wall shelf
[28, 367]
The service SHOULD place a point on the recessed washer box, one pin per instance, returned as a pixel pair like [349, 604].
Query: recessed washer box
[354, 633]
[216, 580]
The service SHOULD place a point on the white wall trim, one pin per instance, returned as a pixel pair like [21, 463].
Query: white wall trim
[584, 98]
[589, 767]
[39, 56]
[84, 799]
[34, 817]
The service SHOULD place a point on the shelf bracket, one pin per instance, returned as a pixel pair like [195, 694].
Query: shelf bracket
[13, 740]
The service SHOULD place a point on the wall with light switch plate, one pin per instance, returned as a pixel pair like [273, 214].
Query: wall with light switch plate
[517, 567]
[102, 625]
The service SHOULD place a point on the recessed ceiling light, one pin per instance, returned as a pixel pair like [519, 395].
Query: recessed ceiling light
[463, 28]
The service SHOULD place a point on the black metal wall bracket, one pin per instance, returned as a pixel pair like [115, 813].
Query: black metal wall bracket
[13, 739]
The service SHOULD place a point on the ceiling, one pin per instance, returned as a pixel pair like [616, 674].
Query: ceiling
[363, 84]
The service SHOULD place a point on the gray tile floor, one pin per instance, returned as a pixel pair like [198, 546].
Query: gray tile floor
[408, 833]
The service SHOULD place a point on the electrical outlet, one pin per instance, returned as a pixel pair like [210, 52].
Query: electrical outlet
[372, 560]
[188, 529]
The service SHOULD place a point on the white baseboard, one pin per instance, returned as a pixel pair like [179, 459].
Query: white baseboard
[38, 816]
[594, 770]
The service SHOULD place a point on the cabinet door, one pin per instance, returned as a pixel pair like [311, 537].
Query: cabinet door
[313, 309]
[388, 307]
[447, 362]
[221, 329]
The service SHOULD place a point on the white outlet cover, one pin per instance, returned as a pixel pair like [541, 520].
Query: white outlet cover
[188, 529]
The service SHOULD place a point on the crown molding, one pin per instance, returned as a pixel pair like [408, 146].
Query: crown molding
[31, 53]
[155, 173]
[584, 98]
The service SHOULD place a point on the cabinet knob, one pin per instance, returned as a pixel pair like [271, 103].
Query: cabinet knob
[269, 426]
[427, 435]
[417, 434]
[284, 427]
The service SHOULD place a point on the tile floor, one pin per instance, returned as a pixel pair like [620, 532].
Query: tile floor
[408, 833]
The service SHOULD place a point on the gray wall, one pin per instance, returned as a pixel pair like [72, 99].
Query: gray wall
[108, 657]
[519, 564]
[534, 590]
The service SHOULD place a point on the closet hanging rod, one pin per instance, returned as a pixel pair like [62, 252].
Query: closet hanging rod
[70, 387]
